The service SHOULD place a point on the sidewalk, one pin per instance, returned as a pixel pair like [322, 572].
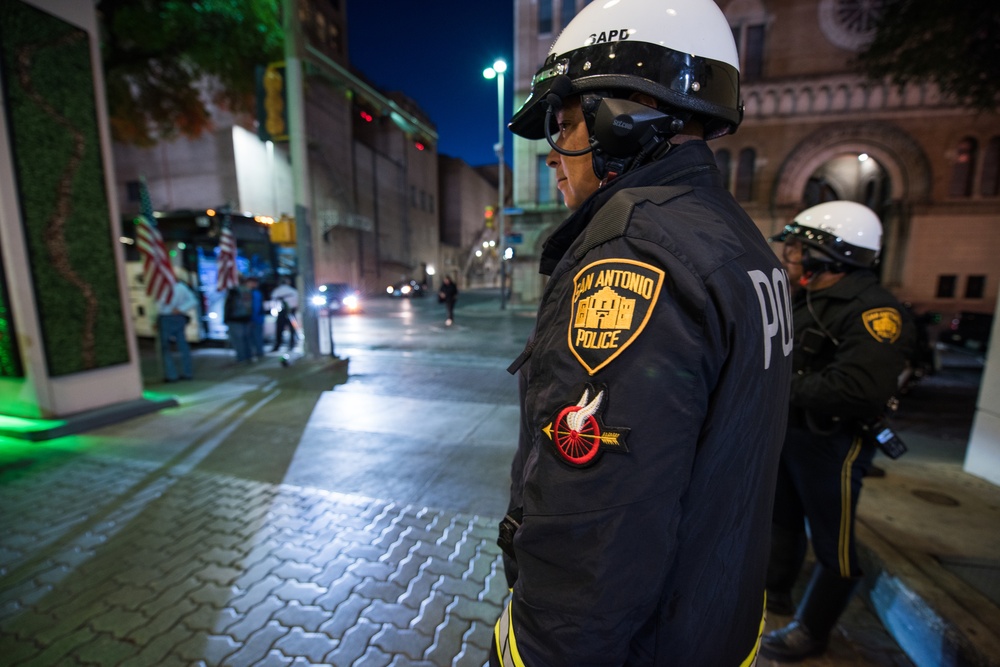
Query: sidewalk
[148, 543]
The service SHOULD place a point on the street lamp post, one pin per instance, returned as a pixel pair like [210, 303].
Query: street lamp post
[496, 72]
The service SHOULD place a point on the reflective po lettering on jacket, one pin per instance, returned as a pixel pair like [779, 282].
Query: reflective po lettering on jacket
[612, 302]
[775, 310]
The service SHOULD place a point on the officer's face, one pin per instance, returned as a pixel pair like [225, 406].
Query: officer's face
[575, 177]
[791, 259]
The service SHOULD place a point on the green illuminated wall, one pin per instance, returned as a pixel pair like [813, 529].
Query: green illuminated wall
[51, 114]
[10, 358]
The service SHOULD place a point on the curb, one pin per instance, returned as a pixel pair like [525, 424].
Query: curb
[935, 617]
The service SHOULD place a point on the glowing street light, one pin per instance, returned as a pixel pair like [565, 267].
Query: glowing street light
[496, 72]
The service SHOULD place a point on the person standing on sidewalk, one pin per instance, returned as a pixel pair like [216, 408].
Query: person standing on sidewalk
[447, 295]
[655, 384]
[288, 299]
[172, 318]
[852, 340]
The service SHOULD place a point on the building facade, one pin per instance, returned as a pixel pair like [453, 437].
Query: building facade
[815, 130]
[372, 164]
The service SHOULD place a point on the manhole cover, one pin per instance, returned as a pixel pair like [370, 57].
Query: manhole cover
[935, 498]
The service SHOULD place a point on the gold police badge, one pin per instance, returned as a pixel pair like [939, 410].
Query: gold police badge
[613, 300]
[884, 324]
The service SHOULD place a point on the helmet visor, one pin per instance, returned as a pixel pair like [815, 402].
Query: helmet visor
[830, 244]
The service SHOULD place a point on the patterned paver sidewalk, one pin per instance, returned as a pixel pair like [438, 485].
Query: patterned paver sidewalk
[112, 562]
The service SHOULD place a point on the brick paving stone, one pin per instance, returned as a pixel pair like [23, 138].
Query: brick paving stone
[396, 614]
[303, 592]
[407, 569]
[451, 569]
[480, 634]
[167, 600]
[448, 640]
[230, 557]
[17, 651]
[274, 659]
[222, 575]
[380, 590]
[54, 652]
[474, 610]
[301, 643]
[306, 617]
[105, 649]
[482, 566]
[213, 649]
[361, 551]
[373, 658]
[256, 565]
[432, 613]
[403, 661]
[432, 550]
[257, 591]
[411, 643]
[255, 618]
[258, 644]
[129, 597]
[337, 592]
[117, 622]
[366, 568]
[213, 594]
[206, 618]
[345, 616]
[332, 570]
[419, 587]
[164, 621]
[459, 587]
[292, 552]
[297, 571]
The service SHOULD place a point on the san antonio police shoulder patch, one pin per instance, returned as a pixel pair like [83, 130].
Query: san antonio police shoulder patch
[579, 434]
[613, 300]
[884, 324]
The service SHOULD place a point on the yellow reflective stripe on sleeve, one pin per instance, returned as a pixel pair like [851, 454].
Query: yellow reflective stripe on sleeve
[751, 659]
[845, 508]
[506, 643]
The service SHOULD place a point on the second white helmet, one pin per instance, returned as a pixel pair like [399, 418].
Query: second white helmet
[846, 231]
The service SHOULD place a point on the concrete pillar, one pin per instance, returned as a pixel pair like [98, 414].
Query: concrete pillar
[68, 328]
[982, 457]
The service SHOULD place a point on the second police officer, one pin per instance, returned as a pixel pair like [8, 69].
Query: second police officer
[654, 388]
[852, 340]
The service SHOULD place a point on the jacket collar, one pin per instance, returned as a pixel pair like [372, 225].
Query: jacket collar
[691, 161]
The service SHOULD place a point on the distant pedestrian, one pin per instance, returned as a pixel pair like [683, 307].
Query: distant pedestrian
[171, 321]
[851, 341]
[447, 295]
[238, 313]
[288, 301]
[256, 318]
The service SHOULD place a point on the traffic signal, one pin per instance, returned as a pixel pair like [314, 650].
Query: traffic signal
[488, 215]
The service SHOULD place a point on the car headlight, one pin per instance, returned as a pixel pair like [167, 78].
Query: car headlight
[388, 290]
[319, 300]
[350, 302]
[405, 289]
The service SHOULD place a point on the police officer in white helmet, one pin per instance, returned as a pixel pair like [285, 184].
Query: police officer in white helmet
[852, 339]
[654, 388]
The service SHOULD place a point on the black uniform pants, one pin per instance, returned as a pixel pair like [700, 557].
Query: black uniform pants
[819, 481]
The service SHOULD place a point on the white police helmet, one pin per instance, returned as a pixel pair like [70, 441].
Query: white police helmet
[680, 52]
[845, 231]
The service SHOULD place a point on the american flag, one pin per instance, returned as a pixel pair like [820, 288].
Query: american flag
[157, 272]
[228, 275]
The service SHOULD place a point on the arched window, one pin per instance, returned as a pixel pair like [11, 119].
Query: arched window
[722, 161]
[963, 168]
[989, 182]
[744, 174]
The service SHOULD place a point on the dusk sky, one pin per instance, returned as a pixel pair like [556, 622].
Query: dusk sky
[435, 52]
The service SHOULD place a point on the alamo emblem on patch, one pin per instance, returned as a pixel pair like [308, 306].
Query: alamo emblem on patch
[885, 324]
[613, 300]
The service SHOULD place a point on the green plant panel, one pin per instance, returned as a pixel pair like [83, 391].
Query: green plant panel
[52, 119]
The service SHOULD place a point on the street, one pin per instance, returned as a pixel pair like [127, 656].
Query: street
[314, 513]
